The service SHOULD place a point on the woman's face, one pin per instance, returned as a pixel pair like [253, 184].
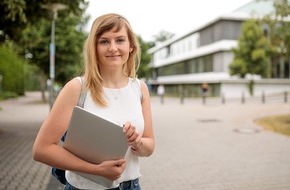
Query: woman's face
[113, 48]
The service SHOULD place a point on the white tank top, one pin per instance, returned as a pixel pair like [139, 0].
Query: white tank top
[124, 105]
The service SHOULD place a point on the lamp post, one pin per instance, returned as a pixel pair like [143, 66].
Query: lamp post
[1, 77]
[54, 8]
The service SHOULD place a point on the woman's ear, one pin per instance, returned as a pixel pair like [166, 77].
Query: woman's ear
[131, 49]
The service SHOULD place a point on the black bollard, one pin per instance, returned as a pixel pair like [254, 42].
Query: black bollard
[263, 97]
[223, 99]
[181, 98]
[243, 98]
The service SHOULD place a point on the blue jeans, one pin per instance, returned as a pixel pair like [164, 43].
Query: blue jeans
[126, 185]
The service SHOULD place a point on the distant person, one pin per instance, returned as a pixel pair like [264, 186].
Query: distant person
[204, 89]
[112, 54]
[160, 92]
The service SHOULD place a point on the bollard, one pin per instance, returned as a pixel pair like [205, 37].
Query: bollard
[223, 99]
[203, 99]
[162, 99]
[243, 98]
[263, 97]
[181, 98]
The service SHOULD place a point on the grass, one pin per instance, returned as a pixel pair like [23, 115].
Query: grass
[278, 124]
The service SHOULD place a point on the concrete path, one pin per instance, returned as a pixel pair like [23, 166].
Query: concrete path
[198, 147]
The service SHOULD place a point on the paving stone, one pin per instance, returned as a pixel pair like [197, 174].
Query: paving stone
[197, 147]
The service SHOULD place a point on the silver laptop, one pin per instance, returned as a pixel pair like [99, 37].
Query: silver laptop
[95, 139]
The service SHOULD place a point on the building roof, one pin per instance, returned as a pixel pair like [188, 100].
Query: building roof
[257, 7]
[253, 9]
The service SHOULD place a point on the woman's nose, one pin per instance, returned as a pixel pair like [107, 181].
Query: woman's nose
[113, 47]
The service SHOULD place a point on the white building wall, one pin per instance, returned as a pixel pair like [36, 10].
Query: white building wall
[221, 61]
[235, 88]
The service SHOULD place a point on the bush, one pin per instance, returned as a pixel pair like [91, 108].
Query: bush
[8, 94]
[12, 69]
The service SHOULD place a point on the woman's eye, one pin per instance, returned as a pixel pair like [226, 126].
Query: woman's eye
[119, 41]
[103, 42]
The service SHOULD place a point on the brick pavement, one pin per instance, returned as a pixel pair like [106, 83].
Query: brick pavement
[197, 147]
[19, 123]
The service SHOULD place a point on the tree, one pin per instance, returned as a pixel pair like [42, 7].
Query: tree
[10, 64]
[69, 41]
[277, 27]
[144, 69]
[252, 53]
[162, 36]
[16, 15]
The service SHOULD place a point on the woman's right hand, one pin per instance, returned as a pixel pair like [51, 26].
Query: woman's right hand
[112, 169]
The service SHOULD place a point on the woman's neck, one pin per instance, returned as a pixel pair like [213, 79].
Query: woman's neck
[114, 81]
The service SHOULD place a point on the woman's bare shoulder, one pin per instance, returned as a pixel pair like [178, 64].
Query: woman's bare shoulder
[70, 92]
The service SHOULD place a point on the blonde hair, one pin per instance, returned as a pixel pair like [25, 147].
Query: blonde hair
[92, 75]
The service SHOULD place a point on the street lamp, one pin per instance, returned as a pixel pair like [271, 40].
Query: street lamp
[54, 8]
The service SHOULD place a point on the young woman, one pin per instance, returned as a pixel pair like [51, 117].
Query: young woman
[112, 56]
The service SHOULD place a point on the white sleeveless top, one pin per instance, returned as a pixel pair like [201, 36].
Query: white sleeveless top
[124, 105]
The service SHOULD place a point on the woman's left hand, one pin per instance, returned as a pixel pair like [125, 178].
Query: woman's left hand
[133, 137]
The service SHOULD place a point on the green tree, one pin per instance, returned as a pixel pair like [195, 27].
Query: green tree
[28, 24]
[69, 39]
[277, 26]
[17, 14]
[12, 69]
[162, 36]
[252, 53]
[144, 69]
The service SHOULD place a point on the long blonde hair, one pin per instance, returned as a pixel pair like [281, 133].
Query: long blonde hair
[92, 75]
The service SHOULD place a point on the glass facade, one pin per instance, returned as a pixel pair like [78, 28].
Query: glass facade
[196, 65]
[191, 90]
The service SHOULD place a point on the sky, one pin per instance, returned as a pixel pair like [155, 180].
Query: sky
[149, 17]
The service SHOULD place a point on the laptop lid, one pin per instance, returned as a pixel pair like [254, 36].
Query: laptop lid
[95, 140]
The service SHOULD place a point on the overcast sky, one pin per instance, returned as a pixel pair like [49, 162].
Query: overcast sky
[149, 17]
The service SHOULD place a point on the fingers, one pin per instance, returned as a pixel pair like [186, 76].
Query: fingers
[119, 168]
[113, 169]
[120, 162]
[126, 127]
[133, 137]
[130, 131]
[137, 144]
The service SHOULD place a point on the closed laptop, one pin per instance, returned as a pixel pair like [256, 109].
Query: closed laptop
[95, 139]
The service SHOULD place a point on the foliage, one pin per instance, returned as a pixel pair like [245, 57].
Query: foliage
[12, 69]
[144, 69]
[282, 26]
[69, 38]
[16, 15]
[252, 53]
[8, 94]
[269, 40]
[277, 27]
[162, 36]
[32, 82]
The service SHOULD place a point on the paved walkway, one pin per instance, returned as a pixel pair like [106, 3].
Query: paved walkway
[198, 147]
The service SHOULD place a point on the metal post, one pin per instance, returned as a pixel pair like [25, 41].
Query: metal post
[181, 98]
[243, 98]
[54, 8]
[289, 68]
[223, 98]
[1, 77]
[52, 63]
[203, 99]
[181, 91]
[263, 97]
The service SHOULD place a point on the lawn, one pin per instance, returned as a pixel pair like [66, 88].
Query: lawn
[279, 123]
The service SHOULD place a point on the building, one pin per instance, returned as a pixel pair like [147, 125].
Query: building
[203, 55]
